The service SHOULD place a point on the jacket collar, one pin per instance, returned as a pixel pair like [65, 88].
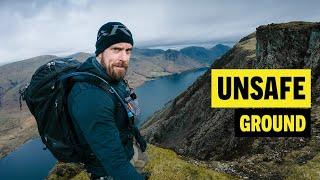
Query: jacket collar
[93, 66]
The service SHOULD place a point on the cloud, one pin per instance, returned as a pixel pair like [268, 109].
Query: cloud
[31, 28]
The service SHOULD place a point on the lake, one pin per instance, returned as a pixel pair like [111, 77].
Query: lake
[30, 161]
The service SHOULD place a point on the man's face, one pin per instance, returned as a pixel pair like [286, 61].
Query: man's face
[115, 59]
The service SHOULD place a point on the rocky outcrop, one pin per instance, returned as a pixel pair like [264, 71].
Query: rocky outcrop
[190, 127]
[292, 45]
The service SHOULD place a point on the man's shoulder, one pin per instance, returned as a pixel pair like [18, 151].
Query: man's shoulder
[86, 89]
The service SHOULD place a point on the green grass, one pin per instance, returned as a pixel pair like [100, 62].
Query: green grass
[166, 164]
[163, 164]
[310, 170]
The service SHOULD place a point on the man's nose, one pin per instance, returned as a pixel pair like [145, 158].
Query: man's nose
[124, 56]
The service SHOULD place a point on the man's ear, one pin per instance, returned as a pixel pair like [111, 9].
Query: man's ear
[99, 58]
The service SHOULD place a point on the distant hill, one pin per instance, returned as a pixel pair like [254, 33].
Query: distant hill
[81, 56]
[204, 55]
[218, 50]
[147, 52]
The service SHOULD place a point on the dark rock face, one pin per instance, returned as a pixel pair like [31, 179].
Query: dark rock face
[190, 127]
[292, 45]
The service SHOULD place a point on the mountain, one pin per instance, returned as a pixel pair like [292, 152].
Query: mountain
[191, 128]
[147, 52]
[81, 56]
[218, 50]
[17, 126]
[205, 55]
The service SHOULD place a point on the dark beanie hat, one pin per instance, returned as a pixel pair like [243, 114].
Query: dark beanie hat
[112, 33]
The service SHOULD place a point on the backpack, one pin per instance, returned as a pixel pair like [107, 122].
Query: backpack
[46, 97]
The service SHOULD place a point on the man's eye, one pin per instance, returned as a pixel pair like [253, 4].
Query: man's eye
[116, 50]
[129, 51]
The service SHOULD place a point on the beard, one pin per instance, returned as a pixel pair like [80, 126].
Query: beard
[116, 71]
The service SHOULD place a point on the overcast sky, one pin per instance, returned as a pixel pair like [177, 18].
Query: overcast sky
[63, 27]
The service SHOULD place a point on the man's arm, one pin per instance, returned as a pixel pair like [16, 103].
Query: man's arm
[93, 111]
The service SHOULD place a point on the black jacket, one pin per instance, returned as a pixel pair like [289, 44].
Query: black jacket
[102, 124]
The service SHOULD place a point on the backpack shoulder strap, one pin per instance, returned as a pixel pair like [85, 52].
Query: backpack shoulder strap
[86, 77]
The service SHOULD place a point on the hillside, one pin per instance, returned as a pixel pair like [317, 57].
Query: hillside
[191, 128]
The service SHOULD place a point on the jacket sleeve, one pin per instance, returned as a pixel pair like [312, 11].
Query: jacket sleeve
[93, 111]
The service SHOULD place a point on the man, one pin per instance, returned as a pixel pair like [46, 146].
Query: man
[100, 119]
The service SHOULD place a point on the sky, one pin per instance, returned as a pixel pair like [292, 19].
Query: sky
[30, 28]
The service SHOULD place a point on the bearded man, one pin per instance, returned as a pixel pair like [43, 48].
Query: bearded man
[101, 122]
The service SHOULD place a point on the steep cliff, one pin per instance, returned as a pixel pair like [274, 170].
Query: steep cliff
[190, 127]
